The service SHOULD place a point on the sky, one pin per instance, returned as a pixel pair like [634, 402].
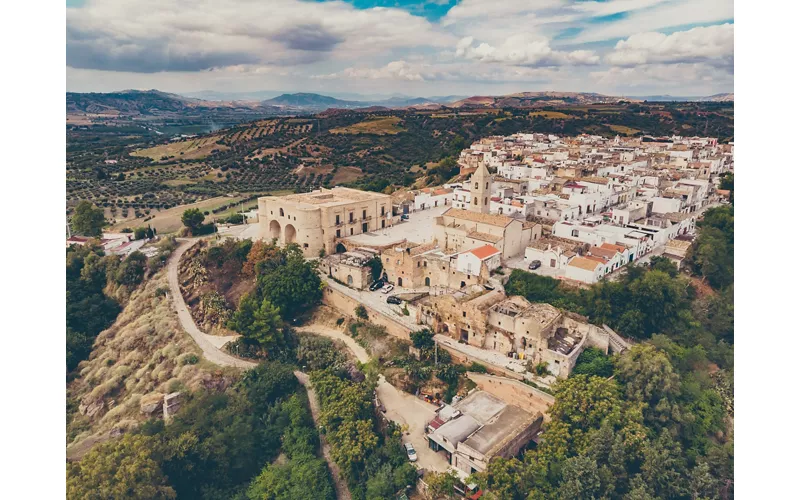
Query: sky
[407, 47]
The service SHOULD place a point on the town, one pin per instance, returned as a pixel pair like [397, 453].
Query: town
[577, 209]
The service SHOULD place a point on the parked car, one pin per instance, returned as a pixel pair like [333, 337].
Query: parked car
[388, 288]
[393, 300]
[376, 285]
[536, 264]
[404, 217]
[411, 452]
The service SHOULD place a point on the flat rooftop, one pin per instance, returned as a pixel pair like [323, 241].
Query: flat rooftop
[501, 428]
[332, 197]
[481, 406]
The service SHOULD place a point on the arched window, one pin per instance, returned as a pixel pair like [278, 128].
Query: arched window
[476, 185]
[487, 185]
[281, 212]
[427, 281]
[349, 280]
[399, 281]
[476, 201]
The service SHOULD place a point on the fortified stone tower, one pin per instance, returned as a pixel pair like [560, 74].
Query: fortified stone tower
[480, 187]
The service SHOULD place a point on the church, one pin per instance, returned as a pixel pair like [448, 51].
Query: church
[459, 230]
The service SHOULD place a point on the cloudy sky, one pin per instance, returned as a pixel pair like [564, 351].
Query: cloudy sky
[411, 47]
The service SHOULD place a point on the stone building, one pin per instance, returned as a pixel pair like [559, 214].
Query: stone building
[479, 428]
[480, 187]
[351, 268]
[513, 326]
[317, 219]
[460, 230]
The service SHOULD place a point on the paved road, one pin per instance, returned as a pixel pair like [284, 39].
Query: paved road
[206, 342]
[401, 407]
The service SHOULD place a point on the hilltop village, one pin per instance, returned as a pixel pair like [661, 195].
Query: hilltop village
[577, 209]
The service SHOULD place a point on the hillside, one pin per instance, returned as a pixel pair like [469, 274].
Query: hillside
[311, 101]
[719, 98]
[142, 356]
[530, 99]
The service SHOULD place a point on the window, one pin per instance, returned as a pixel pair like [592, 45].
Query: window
[486, 201]
[476, 185]
[351, 216]
[476, 201]
[363, 214]
[383, 210]
[464, 313]
[337, 220]
[487, 185]
[305, 245]
[425, 264]
[351, 231]
[419, 263]
[281, 211]
[338, 233]
[383, 223]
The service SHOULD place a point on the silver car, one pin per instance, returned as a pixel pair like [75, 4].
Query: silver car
[411, 452]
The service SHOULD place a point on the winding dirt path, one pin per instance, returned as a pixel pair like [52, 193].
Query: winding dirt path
[208, 344]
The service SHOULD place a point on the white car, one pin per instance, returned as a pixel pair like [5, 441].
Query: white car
[387, 288]
[411, 452]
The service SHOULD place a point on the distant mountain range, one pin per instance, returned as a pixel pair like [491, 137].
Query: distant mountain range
[665, 98]
[154, 103]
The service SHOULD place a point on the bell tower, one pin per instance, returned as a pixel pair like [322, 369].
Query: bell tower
[480, 188]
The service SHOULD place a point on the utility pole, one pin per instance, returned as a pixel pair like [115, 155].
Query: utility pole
[436, 353]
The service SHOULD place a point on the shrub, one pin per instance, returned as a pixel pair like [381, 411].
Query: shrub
[477, 367]
[361, 312]
[339, 321]
[190, 359]
[541, 369]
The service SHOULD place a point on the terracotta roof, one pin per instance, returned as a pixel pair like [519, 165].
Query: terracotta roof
[596, 258]
[492, 219]
[484, 252]
[611, 246]
[602, 252]
[584, 263]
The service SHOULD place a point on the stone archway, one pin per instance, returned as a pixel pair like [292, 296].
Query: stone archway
[340, 248]
[275, 230]
[290, 234]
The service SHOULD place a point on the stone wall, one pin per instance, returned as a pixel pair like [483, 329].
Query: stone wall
[347, 305]
[513, 392]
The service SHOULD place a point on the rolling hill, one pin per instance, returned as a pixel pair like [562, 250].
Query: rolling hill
[534, 99]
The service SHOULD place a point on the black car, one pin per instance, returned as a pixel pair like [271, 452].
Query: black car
[536, 264]
[377, 285]
[393, 300]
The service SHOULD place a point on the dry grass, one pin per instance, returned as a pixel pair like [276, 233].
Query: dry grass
[169, 220]
[190, 149]
[552, 115]
[142, 356]
[388, 125]
[622, 129]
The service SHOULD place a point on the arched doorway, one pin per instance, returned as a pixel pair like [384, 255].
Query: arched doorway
[427, 281]
[399, 281]
[290, 234]
[349, 280]
[275, 230]
[340, 248]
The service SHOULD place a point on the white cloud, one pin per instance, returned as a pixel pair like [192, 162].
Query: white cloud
[523, 49]
[697, 78]
[184, 35]
[395, 70]
[712, 44]
[659, 17]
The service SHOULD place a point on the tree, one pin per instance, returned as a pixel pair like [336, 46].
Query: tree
[258, 321]
[581, 479]
[88, 220]
[302, 478]
[131, 270]
[376, 267]
[293, 287]
[193, 219]
[123, 468]
[441, 484]
[592, 361]
[361, 312]
[422, 339]
[647, 376]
